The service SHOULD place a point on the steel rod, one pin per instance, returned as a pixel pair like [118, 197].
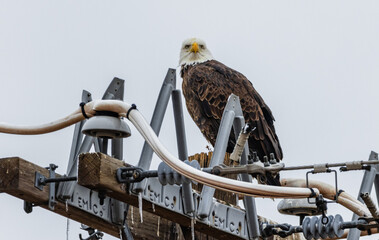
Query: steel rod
[327, 165]
[61, 179]
[188, 202]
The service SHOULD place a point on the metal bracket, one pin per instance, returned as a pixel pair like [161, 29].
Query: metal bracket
[79, 145]
[326, 170]
[253, 168]
[40, 181]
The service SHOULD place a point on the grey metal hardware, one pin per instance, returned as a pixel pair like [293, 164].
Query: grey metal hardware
[83, 198]
[327, 170]
[298, 207]
[106, 127]
[172, 197]
[134, 174]
[230, 219]
[167, 175]
[252, 168]
[157, 186]
[156, 122]
[257, 167]
[232, 116]
[369, 178]
[115, 90]
[315, 228]
[41, 181]
[217, 157]
[93, 234]
[248, 201]
[346, 166]
[318, 227]
[78, 146]
[182, 148]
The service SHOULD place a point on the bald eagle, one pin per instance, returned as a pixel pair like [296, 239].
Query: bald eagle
[207, 85]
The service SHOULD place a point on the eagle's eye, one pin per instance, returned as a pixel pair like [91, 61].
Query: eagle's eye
[187, 46]
[202, 46]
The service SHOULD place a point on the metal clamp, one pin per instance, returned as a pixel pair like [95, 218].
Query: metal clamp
[320, 168]
[133, 174]
[355, 165]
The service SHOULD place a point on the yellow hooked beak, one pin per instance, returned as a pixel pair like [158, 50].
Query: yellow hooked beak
[194, 48]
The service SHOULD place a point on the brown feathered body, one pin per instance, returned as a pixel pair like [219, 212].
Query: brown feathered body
[206, 88]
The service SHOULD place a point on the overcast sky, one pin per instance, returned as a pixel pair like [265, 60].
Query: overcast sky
[315, 63]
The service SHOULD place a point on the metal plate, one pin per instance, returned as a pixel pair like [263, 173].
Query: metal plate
[88, 200]
[222, 217]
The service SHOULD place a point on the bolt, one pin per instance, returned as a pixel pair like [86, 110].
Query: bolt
[136, 174]
[102, 195]
[265, 161]
[272, 159]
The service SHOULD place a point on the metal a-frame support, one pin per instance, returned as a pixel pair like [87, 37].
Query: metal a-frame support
[168, 89]
[232, 116]
[82, 144]
[371, 177]
[115, 90]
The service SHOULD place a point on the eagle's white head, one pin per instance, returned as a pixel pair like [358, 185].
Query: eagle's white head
[193, 51]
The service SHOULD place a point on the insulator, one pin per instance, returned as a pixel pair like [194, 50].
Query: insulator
[329, 227]
[313, 228]
[324, 229]
[306, 229]
[337, 223]
[166, 175]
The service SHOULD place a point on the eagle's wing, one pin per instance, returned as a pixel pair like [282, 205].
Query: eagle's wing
[207, 87]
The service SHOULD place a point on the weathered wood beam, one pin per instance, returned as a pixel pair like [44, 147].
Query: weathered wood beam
[17, 179]
[98, 171]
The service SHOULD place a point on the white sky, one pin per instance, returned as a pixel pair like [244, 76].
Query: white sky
[314, 63]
